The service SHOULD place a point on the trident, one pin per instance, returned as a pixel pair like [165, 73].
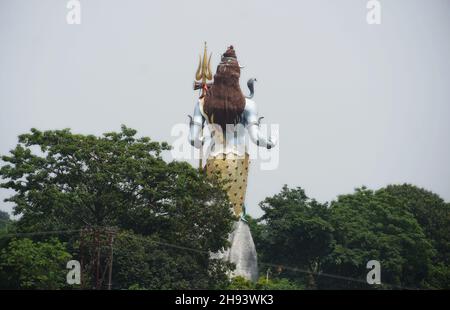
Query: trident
[202, 76]
[203, 73]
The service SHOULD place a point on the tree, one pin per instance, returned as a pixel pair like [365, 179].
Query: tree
[430, 211]
[66, 181]
[315, 246]
[147, 263]
[6, 228]
[374, 226]
[240, 283]
[4, 220]
[433, 215]
[277, 284]
[33, 265]
[295, 233]
[4, 216]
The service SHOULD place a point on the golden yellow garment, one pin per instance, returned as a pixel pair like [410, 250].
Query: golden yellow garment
[232, 169]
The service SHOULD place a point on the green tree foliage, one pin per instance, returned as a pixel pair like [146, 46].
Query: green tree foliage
[146, 262]
[169, 218]
[374, 226]
[4, 216]
[6, 228]
[33, 265]
[277, 284]
[430, 211]
[433, 215]
[403, 227]
[240, 283]
[4, 221]
[66, 181]
[296, 232]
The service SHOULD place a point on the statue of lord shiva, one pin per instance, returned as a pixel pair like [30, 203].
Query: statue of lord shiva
[229, 115]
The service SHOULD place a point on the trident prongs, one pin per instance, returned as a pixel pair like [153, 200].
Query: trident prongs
[204, 72]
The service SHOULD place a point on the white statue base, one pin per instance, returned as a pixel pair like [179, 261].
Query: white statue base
[242, 252]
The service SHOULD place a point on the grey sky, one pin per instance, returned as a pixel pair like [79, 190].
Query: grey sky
[357, 104]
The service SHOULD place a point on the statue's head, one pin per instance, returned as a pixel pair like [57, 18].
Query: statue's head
[228, 70]
[224, 100]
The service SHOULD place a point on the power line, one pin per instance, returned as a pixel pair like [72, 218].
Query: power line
[200, 251]
[329, 275]
[40, 233]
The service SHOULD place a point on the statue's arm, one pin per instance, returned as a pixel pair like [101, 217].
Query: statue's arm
[195, 127]
[252, 121]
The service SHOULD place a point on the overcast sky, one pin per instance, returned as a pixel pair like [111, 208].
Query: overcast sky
[357, 104]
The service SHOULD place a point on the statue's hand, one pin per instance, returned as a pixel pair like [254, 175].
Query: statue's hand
[271, 142]
[266, 142]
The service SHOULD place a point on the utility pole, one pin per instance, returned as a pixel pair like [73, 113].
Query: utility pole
[112, 233]
[267, 275]
[81, 259]
[97, 249]
[97, 260]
